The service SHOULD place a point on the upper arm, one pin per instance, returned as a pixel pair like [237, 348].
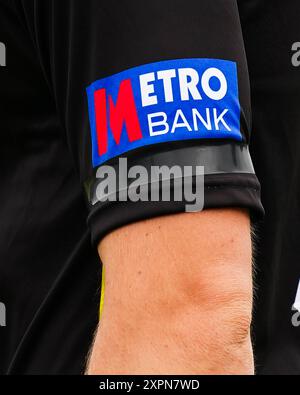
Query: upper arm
[178, 296]
[167, 262]
[104, 62]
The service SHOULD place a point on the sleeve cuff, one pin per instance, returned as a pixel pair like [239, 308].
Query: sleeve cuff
[229, 181]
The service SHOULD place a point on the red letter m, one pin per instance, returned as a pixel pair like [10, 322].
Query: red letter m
[123, 112]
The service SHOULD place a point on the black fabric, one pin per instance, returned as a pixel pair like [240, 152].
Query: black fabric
[228, 169]
[81, 42]
[270, 30]
[49, 270]
[220, 190]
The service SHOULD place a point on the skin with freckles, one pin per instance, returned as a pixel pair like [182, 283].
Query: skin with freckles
[178, 296]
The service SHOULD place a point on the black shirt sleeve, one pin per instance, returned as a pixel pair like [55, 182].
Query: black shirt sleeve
[160, 83]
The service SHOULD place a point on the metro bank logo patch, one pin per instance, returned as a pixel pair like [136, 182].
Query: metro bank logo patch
[162, 102]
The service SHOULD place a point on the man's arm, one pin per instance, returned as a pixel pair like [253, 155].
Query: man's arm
[178, 296]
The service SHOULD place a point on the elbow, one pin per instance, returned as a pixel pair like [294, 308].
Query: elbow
[213, 336]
